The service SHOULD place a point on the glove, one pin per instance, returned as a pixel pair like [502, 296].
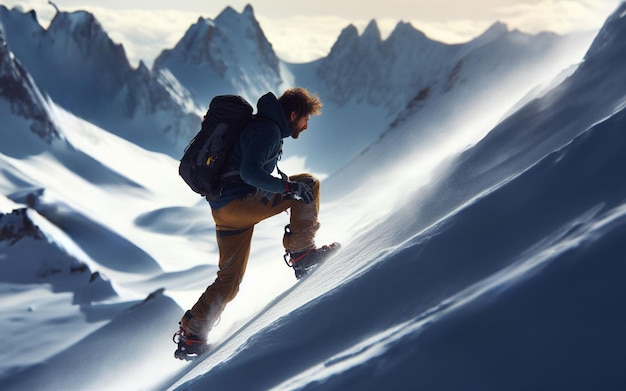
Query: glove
[300, 190]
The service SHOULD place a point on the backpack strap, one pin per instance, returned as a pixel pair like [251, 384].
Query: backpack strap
[284, 176]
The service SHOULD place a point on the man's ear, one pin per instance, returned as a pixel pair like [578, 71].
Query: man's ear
[293, 116]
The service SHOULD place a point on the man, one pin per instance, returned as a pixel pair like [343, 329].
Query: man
[256, 197]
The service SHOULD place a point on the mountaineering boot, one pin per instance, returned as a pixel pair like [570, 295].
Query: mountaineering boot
[190, 346]
[303, 262]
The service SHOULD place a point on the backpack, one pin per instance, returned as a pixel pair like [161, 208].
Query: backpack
[204, 161]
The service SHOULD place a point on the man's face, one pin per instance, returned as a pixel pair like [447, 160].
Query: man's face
[298, 124]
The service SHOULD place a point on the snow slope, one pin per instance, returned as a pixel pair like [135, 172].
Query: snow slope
[512, 283]
[491, 266]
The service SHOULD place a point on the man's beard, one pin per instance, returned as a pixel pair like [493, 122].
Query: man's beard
[295, 133]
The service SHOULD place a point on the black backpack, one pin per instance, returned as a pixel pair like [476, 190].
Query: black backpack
[204, 162]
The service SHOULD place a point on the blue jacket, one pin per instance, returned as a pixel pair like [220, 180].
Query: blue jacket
[257, 152]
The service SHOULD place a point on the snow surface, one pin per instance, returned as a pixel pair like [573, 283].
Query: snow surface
[491, 260]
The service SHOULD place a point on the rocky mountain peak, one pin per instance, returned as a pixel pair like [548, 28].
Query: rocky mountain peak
[25, 99]
[372, 32]
[227, 55]
[82, 29]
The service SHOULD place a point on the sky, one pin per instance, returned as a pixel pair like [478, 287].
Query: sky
[302, 31]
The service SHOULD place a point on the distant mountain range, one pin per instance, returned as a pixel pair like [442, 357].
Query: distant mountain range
[366, 83]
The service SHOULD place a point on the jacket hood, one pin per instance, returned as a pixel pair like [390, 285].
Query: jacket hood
[269, 107]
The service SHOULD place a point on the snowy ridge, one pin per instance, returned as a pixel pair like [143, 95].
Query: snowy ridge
[20, 234]
[482, 234]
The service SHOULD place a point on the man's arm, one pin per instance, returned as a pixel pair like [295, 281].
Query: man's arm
[257, 147]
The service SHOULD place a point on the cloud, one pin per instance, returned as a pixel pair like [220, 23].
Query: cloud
[456, 31]
[145, 33]
[559, 16]
[303, 38]
[45, 12]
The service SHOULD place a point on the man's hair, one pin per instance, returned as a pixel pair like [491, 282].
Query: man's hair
[300, 101]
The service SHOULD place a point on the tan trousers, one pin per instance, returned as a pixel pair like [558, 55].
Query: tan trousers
[234, 226]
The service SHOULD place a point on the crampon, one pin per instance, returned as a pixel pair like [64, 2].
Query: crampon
[306, 261]
[189, 346]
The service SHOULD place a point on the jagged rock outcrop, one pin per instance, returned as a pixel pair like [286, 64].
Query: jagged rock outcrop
[17, 225]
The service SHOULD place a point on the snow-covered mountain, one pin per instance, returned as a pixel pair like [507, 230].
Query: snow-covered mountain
[488, 258]
[223, 56]
[76, 63]
[369, 84]
[396, 69]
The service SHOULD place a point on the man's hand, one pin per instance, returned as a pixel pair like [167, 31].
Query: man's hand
[301, 190]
